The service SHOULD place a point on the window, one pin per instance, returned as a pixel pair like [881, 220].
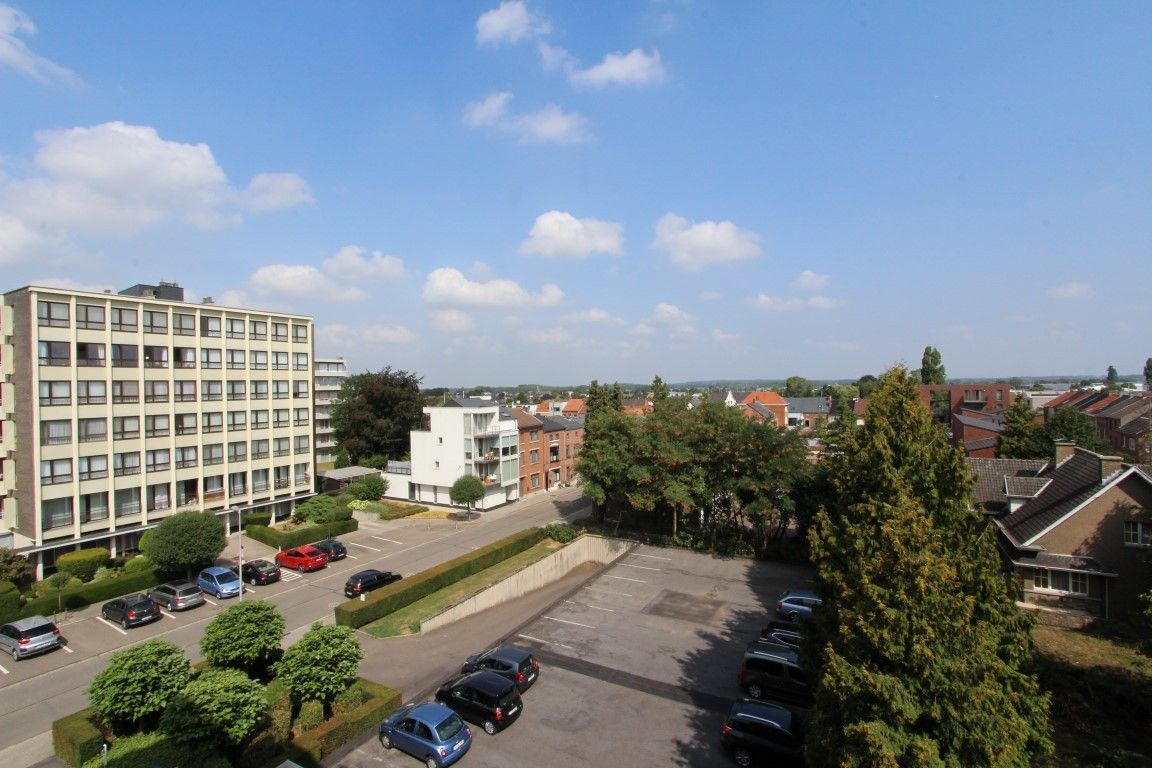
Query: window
[125, 391]
[279, 390]
[281, 477]
[53, 353]
[237, 483]
[301, 416]
[186, 457]
[1060, 581]
[299, 332]
[213, 487]
[92, 430]
[210, 327]
[214, 454]
[236, 359]
[92, 467]
[280, 446]
[535, 480]
[211, 390]
[127, 502]
[125, 356]
[156, 426]
[125, 427]
[301, 474]
[300, 389]
[213, 422]
[279, 361]
[183, 357]
[90, 317]
[155, 321]
[259, 480]
[259, 449]
[185, 423]
[258, 330]
[300, 361]
[259, 361]
[126, 464]
[209, 358]
[237, 420]
[260, 419]
[56, 513]
[279, 331]
[235, 328]
[259, 390]
[1137, 533]
[238, 451]
[237, 390]
[55, 471]
[158, 460]
[158, 497]
[90, 393]
[280, 417]
[534, 457]
[52, 313]
[1078, 583]
[302, 444]
[94, 507]
[55, 393]
[155, 357]
[123, 319]
[156, 391]
[56, 432]
[183, 325]
[534, 435]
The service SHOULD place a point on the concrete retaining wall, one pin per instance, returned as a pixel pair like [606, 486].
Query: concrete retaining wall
[541, 573]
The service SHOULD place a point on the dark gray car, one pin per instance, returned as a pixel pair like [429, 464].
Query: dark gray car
[27, 637]
[131, 610]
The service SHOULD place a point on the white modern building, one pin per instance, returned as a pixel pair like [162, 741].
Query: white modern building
[119, 409]
[330, 373]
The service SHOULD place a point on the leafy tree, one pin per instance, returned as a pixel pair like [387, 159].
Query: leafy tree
[601, 398]
[1112, 378]
[317, 509]
[919, 654]
[866, 384]
[1021, 436]
[660, 391]
[322, 664]
[931, 367]
[15, 568]
[371, 488]
[610, 438]
[1148, 374]
[246, 637]
[1077, 426]
[375, 412]
[343, 459]
[221, 706]
[138, 682]
[186, 541]
[467, 490]
[797, 386]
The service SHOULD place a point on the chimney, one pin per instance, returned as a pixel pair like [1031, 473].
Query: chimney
[1110, 465]
[1064, 449]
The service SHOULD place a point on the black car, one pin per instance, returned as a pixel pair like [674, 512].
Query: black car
[782, 633]
[131, 610]
[334, 548]
[485, 698]
[259, 572]
[363, 582]
[771, 670]
[516, 664]
[762, 733]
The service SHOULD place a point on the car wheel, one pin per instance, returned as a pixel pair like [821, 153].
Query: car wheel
[300, 568]
[742, 757]
[15, 655]
[793, 616]
[104, 615]
[755, 691]
[385, 741]
[124, 623]
[431, 762]
[489, 727]
[252, 581]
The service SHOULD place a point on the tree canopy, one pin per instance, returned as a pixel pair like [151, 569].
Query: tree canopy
[932, 368]
[138, 682]
[797, 386]
[14, 568]
[919, 654]
[220, 706]
[321, 664]
[1021, 436]
[374, 413]
[1148, 374]
[246, 636]
[186, 541]
[467, 490]
[1075, 425]
[1112, 378]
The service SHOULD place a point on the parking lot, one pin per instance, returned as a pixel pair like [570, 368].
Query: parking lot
[638, 665]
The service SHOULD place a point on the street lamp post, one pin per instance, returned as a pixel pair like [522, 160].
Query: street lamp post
[240, 572]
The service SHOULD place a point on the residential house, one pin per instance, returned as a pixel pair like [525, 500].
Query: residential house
[759, 405]
[808, 413]
[329, 376]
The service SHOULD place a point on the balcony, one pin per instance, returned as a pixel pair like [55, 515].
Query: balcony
[217, 495]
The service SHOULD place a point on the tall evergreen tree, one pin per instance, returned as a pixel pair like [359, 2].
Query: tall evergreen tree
[931, 367]
[375, 413]
[1112, 378]
[1021, 436]
[1148, 373]
[660, 391]
[919, 655]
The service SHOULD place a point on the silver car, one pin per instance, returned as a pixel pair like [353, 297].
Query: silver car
[28, 637]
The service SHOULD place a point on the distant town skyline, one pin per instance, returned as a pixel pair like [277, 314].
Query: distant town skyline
[482, 192]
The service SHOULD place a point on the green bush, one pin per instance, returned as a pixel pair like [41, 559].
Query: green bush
[306, 535]
[74, 598]
[257, 518]
[137, 564]
[83, 563]
[75, 739]
[272, 740]
[311, 715]
[562, 533]
[394, 511]
[328, 737]
[147, 750]
[369, 488]
[381, 602]
[352, 697]
[102, 573]
[9, 601]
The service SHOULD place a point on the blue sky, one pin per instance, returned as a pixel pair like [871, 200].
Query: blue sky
[544, 192]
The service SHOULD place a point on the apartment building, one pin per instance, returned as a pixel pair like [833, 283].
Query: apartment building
[119, 409]
[330, 373]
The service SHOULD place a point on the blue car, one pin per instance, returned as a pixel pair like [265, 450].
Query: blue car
[219, 581]
[430, 732]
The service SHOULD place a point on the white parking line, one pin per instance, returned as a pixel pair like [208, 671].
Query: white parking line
[608, 592]
[389, 540]
[67, 649]
[105, 621]
[544, 642]
[573, 623]
[356, 544]
[650, 557]
[593, 607]
[641, 567]
[3, 670]
[352, 557]
[624, 578]
[209, 601]
[169, 615]
[290, 576]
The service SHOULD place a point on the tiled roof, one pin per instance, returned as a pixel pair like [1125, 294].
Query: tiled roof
[1025, 487]
[990, 475]
[1061, 562]
[1137, 426]
[980, 444]
[760, 396]
[524, 419]
[1073, 482]
[992, 425]
[808, 404]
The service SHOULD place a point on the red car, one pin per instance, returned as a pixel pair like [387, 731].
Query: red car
[306, 558]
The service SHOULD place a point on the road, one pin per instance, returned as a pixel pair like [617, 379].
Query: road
[37, 691]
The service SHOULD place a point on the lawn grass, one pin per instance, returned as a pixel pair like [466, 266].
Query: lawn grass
[407, 620]
[1101, 699]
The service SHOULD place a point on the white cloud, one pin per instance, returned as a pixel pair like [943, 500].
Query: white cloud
[633, 68]
[781, 304]
[723, 337]
[549, 125]
[347, 277]
[810, 281]
[301, 281]
[1070, 291]
[708, 242]
[593, 315]
[72, 285]
[509, 23]
[452, 320]
[17, 240]
[554, 57]
[558, 234]
[15, 54]
[276, 191]
[670, 313]
[354, 263]
[449, 286]
[338, 336]
[547, 336]
[710, 296]
[643, 329]
[823, 302]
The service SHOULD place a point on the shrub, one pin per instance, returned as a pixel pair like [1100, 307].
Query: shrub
[328, 737]
[78, 595]
[15, 568]
[369, 488]
[352, 697]
[221, 706]
[186, 540]
[147, 750]
[138, 683]
[322, 664]
[257, 518]
[137, 564]
[9, 601]
[103, 572]
[83, 563]
[246, 636]
[318, 509]
[306, 535]
[271, 740]
[562, 533]
[75, 739]
[393, 511]
[311, 715]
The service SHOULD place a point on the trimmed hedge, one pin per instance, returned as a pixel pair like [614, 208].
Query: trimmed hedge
[9, 602]
[300, 536]
[257, 518]
[394, 511]
[75, 739]
[381, 602]
[148, 750]
[328, 737]
[83, 563]
[84, 595]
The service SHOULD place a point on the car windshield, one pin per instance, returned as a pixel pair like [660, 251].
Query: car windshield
[187, 591]
[139, 605]
[39, 630]
[451, 726]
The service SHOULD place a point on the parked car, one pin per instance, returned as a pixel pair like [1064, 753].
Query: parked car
[430, 732]
[362, 582]
[762, 732]
[259, 572]
[796, 604]
[334, 548]
[27, 637]
[131, 610]
[219, 581]
[782, 633]
[485, 698]
[773, 671]
[516, 664]
[177, 595]
[306, 558]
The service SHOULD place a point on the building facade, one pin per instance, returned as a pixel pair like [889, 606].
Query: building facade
[119, 410]
[330, 373]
